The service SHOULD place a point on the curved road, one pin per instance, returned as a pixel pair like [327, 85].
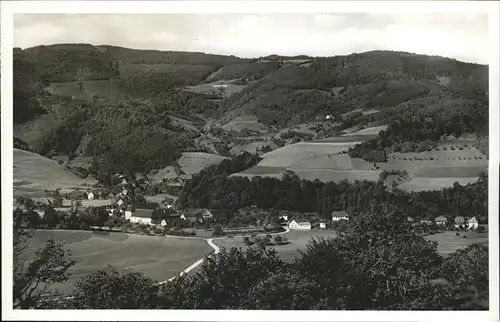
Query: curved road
[216, 251]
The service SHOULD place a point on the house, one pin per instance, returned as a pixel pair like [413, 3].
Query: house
[472, 223]
[284, 218]
[145, 213]
[410, 219]
[441, 221]
[198, 213]
[77, 195]
[322, 225]
[90, 195]
[299, 225]
[459, 222]
[340, 215]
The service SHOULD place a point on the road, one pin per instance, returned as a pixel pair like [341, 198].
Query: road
[216, 251]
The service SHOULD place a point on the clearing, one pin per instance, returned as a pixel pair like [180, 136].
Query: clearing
[448, 241]
[194, 162]
[159, 258]
[34, 173]
[298, 242]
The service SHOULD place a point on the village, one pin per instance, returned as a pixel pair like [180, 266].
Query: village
[123, 208]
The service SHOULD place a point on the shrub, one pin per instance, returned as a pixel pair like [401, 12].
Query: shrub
[253, 235]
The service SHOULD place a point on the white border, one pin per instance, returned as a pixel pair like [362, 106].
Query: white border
[8, 8]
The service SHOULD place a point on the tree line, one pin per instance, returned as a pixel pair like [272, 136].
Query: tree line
[212, 188]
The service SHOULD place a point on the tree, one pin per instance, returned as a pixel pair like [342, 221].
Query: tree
[33, 278]
[110, 289]
[278, 239]
[224, 279]
[247, 241]
[217, 230]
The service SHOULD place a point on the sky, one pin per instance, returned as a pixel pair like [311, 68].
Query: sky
[456, 35]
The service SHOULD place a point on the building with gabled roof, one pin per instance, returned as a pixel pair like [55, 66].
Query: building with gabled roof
[299, 225]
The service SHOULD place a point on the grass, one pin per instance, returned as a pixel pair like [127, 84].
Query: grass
[328, 175]
[335, 161]
[252, 147]
[194, 162]
[159, 258]
[290, 154]
[38, 173]
[450, 172]
[449, 242]
[240, 123]
[422, 184]
[368, 131]
[298, 241]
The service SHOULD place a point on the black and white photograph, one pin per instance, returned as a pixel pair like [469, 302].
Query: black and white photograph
[295, 161]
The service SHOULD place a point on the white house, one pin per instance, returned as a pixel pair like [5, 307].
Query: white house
[328, 117]
[472, 223]
[322, 225]
[340, 215]
[299, 225]
[90, 196]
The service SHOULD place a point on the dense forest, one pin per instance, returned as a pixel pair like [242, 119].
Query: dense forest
[422, 133]
[379, 263]
[212, 188]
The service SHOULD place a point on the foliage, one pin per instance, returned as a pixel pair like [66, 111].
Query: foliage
[110, 289]
[32, 279]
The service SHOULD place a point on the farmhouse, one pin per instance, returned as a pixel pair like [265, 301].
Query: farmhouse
[472, 223]
[459, 222]
[144, 214]
[340, 215]
[441, 221]
[90, 195]
[322, 225]
[299, 225]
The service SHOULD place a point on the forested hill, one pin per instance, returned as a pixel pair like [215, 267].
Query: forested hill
[121, 106]
[390, 82]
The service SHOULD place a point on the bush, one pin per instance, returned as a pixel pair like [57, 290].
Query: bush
[253, 235]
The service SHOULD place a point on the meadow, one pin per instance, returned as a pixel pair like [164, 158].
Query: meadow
[448, 241]
[34, 173]
[298, 242]
[158, 257]
[194, 162]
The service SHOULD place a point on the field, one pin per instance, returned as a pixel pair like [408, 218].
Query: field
[194, 162]
[368, 131]
[168, 172]
[334, 161]
[157, 257]
[439, 168]
[448, 242]
[298, 241]
[34, 173]
[423, 184]
[245, 122]
[290, 154]
[210, 89]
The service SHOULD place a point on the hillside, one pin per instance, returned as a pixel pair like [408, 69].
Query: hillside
[33, 174]
[137, 110]
[385, 81]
